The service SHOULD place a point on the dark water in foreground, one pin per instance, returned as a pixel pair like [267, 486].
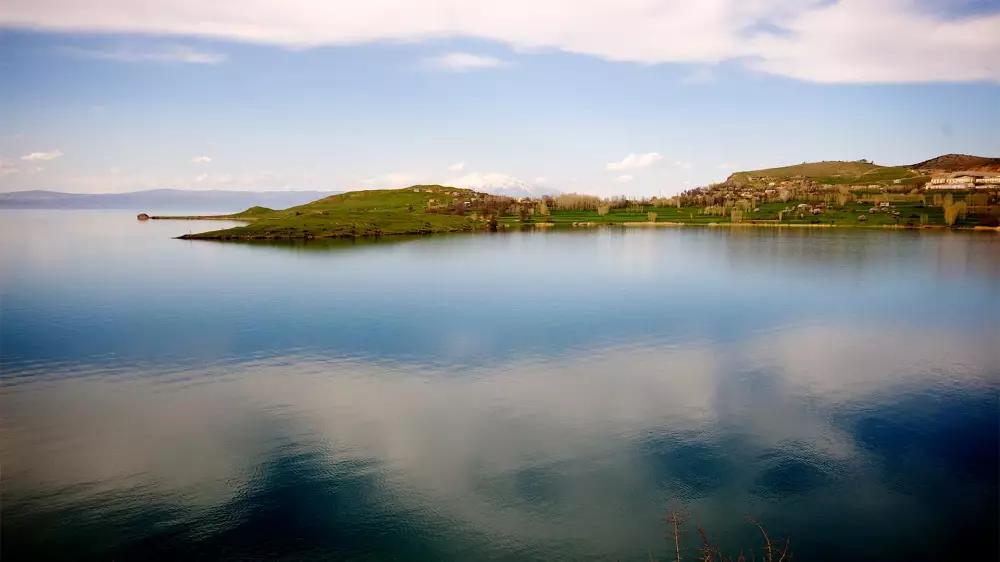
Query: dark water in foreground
[523, 396]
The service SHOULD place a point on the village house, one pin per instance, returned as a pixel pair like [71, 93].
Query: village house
[963, 180]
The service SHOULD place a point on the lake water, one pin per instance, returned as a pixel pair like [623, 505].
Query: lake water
[511, 396]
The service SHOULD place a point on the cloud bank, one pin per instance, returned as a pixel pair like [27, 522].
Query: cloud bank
[42, 156]
[463, 62]
[884, 41]
[165, 53]
[634, 162]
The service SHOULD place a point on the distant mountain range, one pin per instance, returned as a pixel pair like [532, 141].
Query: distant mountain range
[156, 200]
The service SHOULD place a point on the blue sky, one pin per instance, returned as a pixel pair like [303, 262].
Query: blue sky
[106, 100]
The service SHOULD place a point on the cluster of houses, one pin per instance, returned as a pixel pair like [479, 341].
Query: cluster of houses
[773, 189]
[820, 208]
[757, 188]
[965, 181]
[804, 208]
[883, 207]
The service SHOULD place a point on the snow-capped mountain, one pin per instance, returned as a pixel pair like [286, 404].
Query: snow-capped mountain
[502, 184]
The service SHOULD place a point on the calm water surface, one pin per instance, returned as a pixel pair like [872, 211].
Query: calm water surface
[516, 396]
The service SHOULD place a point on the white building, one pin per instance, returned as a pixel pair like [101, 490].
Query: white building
[964, 180]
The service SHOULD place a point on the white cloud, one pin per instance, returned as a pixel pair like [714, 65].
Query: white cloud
[463, 62]
[7, 168]
[683, 164]
[634, 162]
[625, 178]
[42, 156]
[456, 167]
[163, 53]
[863, 41]
[201, 159]
[844, 41]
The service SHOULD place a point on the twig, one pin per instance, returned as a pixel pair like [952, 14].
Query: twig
[784, 552]
[675, 523]
[706, 547]
[767, 539]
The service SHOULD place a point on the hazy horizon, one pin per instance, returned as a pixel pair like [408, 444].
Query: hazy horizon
[503, 189]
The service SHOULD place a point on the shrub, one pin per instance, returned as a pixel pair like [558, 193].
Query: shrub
[577, 202]
[953, 211]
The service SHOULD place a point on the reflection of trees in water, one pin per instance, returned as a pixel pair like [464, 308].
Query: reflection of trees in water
[710, 551]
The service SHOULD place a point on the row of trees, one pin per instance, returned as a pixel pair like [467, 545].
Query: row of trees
[580, 202]
[721, 204]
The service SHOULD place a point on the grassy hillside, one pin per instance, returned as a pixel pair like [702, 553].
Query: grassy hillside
[438, 209]
[831, 172]
[356, 213]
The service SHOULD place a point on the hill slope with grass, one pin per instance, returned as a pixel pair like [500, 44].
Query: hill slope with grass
[420, 209]
[830, 172]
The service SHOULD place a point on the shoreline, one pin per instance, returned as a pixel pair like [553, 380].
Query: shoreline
[557, 226]
[197, 218]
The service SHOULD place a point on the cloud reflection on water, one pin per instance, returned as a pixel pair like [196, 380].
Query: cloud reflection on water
[497, 450]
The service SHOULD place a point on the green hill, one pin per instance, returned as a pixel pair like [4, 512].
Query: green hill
[830, 172]
[420, 209]
[254, 212]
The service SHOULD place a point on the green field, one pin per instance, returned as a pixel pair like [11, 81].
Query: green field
[439, 209]
[358, 213]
